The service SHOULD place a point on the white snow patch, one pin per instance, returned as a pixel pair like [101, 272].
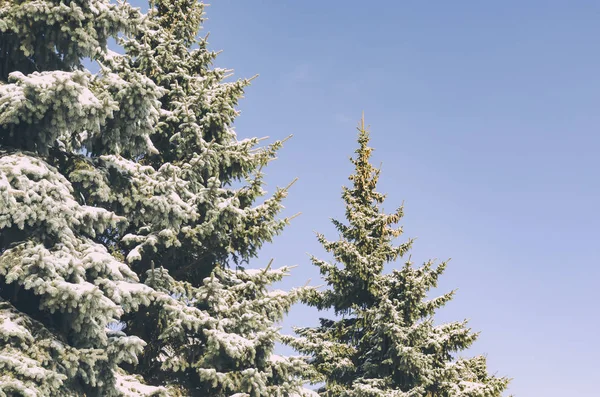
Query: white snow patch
[134, 255]
[130, 386]
[9, 327]
[87, 98]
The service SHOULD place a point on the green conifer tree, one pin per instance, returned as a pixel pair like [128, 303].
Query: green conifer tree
[385, 343]
[60, 287]
[194, 208]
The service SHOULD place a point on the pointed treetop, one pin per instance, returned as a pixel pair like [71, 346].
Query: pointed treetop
[366, 176]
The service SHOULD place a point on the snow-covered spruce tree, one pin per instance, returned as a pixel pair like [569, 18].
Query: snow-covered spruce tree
[385, 343]
[227, 350]
[193, 209]
[60, 287]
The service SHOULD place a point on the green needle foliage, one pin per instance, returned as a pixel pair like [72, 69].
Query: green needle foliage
[197, 214]
[384, 342]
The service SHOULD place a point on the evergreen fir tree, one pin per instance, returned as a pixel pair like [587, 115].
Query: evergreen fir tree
[210, 329]
[60, 286]
[230, 350]
[386, 342]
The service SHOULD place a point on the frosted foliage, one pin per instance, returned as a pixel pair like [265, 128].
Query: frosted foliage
[156, 197]
[42, 108]
[65, 269]
[35, 195]
[193, 205]
[62, 280]
[75, 110]
[181, 198]
[129, 128]
[171, 206]
[33, 362]
[124, 175]
[131, 386]
[46, 103]
[79, 29]
[226, 331]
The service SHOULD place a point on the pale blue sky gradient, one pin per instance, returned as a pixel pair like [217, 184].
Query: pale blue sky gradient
[485, 116]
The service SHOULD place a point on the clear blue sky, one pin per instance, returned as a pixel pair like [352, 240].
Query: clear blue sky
[485, 116]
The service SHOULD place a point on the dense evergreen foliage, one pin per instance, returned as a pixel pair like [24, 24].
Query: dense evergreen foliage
[119, 213]
[384, 341]
[60, 287]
